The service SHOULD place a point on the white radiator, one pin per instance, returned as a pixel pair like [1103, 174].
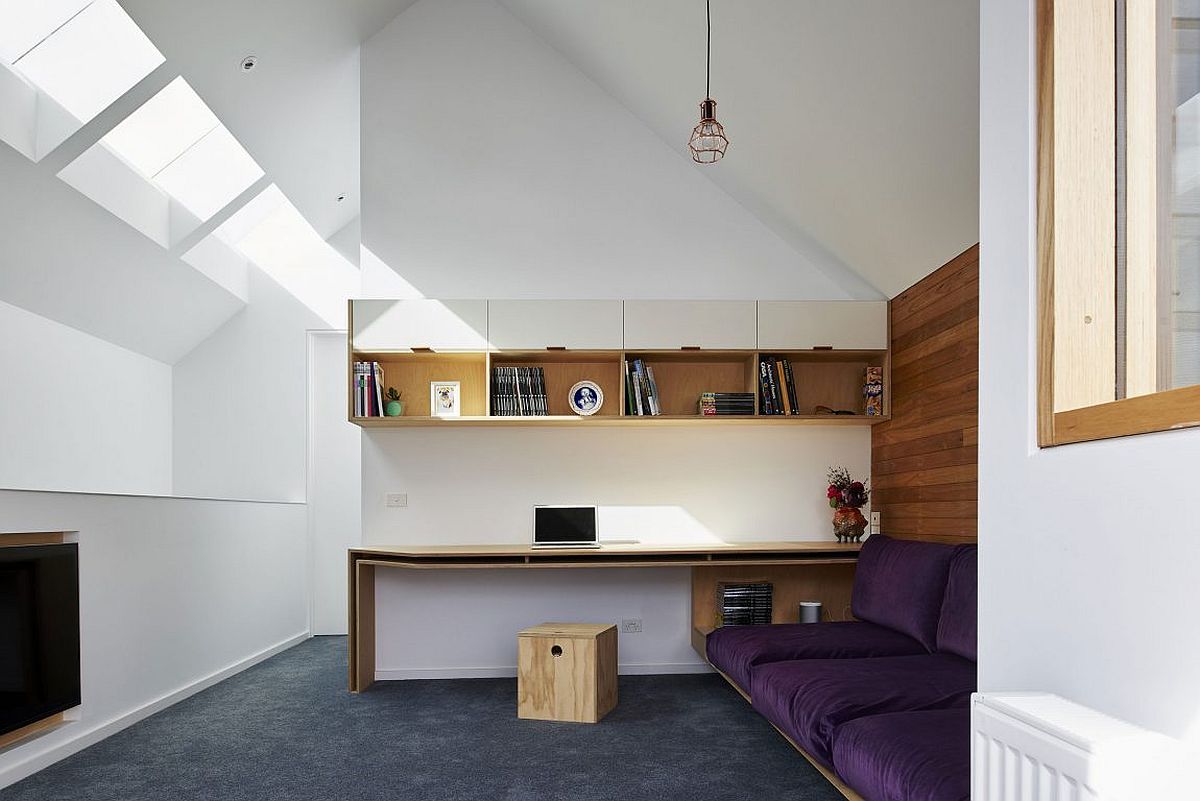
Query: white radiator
[1041, 747]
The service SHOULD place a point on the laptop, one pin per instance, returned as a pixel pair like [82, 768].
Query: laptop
[565, 527]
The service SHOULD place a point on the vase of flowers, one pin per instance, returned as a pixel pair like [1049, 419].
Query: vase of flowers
[846, 497]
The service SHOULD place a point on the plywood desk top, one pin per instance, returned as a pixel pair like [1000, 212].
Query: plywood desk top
[606, 554]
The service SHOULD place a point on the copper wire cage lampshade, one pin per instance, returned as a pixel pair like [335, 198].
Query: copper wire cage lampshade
[708, 141]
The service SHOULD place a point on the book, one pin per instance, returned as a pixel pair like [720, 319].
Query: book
[784, 395]
[635, 379]
[873, 392]
[377, 375]
[655, 406]
[630, 408]
[790, 382]
[766, 405]
[773, 389]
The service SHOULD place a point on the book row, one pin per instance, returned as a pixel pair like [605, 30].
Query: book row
[776, 386]
[368, 389]
[744, 604]
[641, 391]
[713, 404]
[519, 392]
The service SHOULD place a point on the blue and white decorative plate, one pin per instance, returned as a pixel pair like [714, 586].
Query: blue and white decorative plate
[586, 398]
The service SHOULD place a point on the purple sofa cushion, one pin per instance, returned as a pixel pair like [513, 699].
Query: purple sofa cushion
[900, 584]
[956, 631]
[906, 756]
[736, 650]
[809, 699]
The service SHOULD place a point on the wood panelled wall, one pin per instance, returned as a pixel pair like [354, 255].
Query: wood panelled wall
[924, 460]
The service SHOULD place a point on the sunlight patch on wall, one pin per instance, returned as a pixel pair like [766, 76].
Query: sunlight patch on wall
[660, 525]
[381, 281]
[270, 233]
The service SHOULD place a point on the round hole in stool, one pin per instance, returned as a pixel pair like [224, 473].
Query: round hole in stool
[556, 650]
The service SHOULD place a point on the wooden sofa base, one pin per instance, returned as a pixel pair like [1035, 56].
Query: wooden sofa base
[829, 775]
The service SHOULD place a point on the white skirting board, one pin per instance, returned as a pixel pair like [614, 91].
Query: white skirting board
[42, 752]
[402, 674]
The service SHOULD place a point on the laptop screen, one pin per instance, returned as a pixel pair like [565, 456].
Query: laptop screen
[553, 524]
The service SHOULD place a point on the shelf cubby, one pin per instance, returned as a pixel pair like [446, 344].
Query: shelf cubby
[565, 368]
[681, 376]
[832, 378]
[412, 372]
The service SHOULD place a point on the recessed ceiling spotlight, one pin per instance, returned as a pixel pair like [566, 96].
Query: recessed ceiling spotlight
[248, 63]
[341, 197]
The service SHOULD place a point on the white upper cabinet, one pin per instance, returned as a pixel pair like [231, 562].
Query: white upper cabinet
[538, 324]
[804, 324]
[673, 324]
[441, 325]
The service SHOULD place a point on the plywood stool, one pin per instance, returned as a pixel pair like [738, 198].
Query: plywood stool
[567, 672]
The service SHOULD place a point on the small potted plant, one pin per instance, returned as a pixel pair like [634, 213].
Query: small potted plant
[846, 497]
[395, 406]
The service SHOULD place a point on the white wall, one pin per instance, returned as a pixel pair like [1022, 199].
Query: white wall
[1089, 553]
[167, 587]
[334, 485]
[653, 485]
[492, 167]
[78, 413]
[240, 402]
[726, 482]
[471, 629]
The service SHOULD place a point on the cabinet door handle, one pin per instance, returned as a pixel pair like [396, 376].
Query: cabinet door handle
[556, 347]
[689, 347]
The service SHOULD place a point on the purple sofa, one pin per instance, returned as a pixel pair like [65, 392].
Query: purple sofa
[882, 701]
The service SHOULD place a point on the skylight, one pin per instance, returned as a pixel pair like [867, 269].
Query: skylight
[168, 167]
[27, 22]
[93, 59]
[62, 62]
[162, 128]
[209, 174]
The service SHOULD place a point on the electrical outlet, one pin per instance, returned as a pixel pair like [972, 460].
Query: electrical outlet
[632, 625]
[396, 500]
[875, 522]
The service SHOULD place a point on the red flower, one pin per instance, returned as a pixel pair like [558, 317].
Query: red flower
[833, 492]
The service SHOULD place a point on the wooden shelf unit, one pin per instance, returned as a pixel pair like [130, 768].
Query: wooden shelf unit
[832, 378]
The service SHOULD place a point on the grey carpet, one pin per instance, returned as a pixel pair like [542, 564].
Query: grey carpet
[288, 729]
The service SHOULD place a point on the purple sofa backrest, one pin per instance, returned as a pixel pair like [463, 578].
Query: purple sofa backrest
[901, 584]
[956, 632]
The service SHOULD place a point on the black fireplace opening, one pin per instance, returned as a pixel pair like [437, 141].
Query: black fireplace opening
[39, 633]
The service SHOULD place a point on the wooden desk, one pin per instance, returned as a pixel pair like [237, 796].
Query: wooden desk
[799, 571]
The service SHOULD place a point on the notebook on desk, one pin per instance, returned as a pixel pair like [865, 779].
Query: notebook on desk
[565, 527]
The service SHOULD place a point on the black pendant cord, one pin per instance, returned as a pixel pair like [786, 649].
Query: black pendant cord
[708, 51]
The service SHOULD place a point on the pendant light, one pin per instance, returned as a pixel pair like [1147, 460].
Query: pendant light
[708, 141]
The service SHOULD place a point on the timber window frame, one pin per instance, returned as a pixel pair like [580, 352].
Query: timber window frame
[1101, 230]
